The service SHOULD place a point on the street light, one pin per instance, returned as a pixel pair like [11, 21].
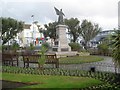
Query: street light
[33, 29]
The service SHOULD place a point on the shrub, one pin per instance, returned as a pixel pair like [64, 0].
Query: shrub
[5, 47]
[15, 46]
[31, 46]
[42, 58]
[46, 45]
[75, 46]
[103, 48]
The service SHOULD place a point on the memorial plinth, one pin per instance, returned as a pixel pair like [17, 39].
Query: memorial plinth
[61, 42]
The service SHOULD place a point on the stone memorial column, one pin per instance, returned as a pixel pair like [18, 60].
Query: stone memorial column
[61, 43]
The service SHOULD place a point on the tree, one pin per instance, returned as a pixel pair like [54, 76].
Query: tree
[51, 30]
[88, 31]
[43, 57]
[41, 30]
[116, 47]
[73, 26]
[10, 28]
[103, 48]
[75, 46]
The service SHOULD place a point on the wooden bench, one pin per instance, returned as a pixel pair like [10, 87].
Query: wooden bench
[50, 59]
[9, 59]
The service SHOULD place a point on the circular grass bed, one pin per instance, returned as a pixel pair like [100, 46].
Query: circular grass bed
[48, 81]
[80, 59]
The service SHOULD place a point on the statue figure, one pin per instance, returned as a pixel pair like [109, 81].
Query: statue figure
[61, 14]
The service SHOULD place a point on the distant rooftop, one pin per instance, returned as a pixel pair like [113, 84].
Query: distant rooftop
[27, 26]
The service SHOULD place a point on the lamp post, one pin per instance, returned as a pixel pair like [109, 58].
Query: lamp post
[33, 29]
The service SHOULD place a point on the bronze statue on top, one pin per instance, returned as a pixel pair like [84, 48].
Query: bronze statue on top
[61, 14]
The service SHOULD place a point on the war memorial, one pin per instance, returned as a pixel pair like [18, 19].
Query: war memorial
[61, 46]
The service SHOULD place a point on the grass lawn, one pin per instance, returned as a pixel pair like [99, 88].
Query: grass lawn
[47, 81]
[79, 59]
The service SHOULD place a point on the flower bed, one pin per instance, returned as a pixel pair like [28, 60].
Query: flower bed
[110, 80]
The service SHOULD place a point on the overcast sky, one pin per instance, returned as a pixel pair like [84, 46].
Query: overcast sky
[102, 12]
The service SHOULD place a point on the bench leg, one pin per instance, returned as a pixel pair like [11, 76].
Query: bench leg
[27, 64]
[24, 64]
[12, 63]
[57, 65]
[4, 63]
[17, 62]
[40, 66]
[9, 63]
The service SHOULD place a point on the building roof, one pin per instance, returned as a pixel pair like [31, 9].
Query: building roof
[27, 26]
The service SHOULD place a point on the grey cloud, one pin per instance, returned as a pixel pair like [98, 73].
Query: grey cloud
[44, 10]
[24, 10]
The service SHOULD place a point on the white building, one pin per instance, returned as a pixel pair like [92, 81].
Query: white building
[102, 35]
[29, 35]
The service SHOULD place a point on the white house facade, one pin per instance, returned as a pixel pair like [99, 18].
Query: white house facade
[29, 35]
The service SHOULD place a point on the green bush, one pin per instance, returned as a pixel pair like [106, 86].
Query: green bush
[15, 46]
[75, 46]
[31, 46]
[42, 58]
[4, 47]
[103, 49]
[46, 45]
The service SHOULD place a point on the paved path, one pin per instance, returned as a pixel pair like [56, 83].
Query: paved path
[105, 65]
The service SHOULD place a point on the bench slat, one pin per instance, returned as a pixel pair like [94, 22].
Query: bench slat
[9, 58]
[50, 59]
